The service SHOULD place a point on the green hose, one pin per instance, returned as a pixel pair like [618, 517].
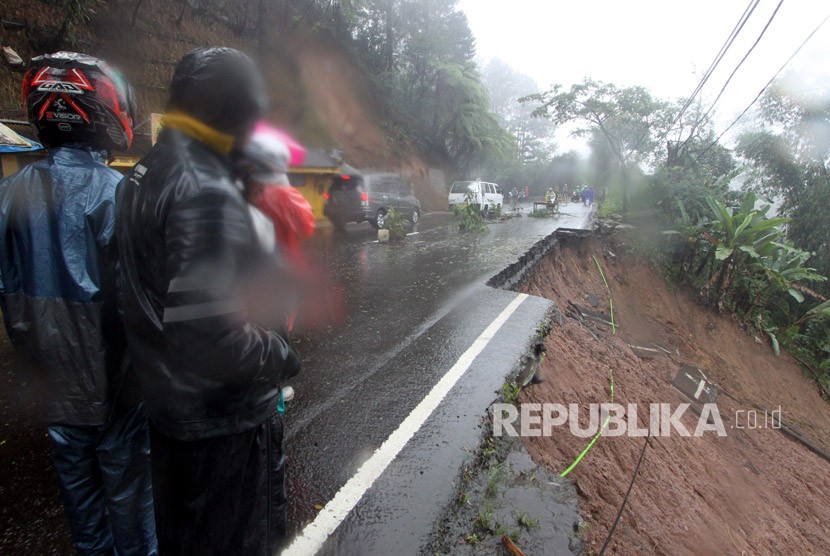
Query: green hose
[596, 437]
[610, 299]
[607, 419]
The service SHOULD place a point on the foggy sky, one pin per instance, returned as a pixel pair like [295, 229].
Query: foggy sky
[664, 45]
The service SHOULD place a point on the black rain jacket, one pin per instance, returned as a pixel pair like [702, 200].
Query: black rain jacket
[187, 249]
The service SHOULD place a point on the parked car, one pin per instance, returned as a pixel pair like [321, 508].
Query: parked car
[486, 195]
[357, 197]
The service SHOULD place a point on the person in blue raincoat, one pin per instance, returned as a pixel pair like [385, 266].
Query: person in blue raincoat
[58, 275]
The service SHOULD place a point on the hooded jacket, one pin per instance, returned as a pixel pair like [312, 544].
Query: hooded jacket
[189, 250]
[57, 281]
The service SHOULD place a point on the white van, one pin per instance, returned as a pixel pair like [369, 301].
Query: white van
[486, 195]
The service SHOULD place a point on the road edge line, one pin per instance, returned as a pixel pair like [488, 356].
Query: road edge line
[315, 534]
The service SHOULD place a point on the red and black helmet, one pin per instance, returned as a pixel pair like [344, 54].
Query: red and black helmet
[71, 97]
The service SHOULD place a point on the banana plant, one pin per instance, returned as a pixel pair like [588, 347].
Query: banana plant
[783, 266]
[820, 311]
[738, 239]
[747, 230]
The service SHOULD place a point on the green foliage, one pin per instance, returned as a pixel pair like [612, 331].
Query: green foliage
[505, 86]
[787, 156]
[468, 216]
[472, 539]
[611, 205]
[526, 521]
[494, 476]
[76, 12]
[483, 521]
[583, 529]
[740, 260]
[420, 54]
[541, 213]
[511, 392]
[489, 449]
[791, 163]
[397, 225]
[629, 119]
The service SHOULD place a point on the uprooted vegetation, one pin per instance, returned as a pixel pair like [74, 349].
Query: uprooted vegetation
[753, 491]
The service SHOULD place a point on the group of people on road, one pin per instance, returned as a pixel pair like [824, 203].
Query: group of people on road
[517, 195]
[153, 308]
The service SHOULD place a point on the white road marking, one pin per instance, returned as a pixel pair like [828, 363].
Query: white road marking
[332, 515]
[700, 388]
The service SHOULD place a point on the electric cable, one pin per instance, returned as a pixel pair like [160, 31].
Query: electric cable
[729, 79]
[625, 499]
[764, 88]
[750, 8]
[721, 53]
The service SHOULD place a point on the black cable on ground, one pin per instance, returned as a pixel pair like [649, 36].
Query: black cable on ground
[783, 427]
[625, 500]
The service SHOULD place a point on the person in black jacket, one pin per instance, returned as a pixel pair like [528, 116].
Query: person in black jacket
[210, 376]
[60, 302]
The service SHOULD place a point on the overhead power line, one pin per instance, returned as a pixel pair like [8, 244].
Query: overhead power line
[729, 79]
[750, 8]
[764, 88]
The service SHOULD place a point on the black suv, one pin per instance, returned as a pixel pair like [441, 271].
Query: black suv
[356, 197]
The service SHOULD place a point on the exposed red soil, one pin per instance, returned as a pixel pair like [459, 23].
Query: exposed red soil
[343, 100]
[751, 492]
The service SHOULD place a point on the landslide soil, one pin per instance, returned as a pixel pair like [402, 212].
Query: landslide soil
[752, 492]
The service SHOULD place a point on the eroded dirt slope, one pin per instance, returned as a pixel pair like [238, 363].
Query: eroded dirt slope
[751, 492]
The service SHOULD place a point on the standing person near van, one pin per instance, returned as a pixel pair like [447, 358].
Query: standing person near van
[210, 373]
[58, 265]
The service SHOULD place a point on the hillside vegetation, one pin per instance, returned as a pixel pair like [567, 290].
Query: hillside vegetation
[389, 82]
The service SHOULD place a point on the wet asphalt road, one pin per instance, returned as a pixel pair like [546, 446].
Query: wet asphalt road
[412, 310]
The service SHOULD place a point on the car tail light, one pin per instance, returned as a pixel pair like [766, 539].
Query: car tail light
[364, 198]
[326, 196]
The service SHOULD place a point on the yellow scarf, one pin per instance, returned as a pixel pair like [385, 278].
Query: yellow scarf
[216, 140]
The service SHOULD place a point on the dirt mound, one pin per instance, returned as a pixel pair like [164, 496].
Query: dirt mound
[344, 101]
[753, 491]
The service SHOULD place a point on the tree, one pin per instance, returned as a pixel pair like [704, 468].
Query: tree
[420, 56]
[787, 156]
[505, 86]
[629, 119]
[692, 167]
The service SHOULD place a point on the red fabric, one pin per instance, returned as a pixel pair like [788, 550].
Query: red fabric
[291, 214]
[296, 151]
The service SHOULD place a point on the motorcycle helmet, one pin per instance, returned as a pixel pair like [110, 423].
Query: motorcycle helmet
[72, 97]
